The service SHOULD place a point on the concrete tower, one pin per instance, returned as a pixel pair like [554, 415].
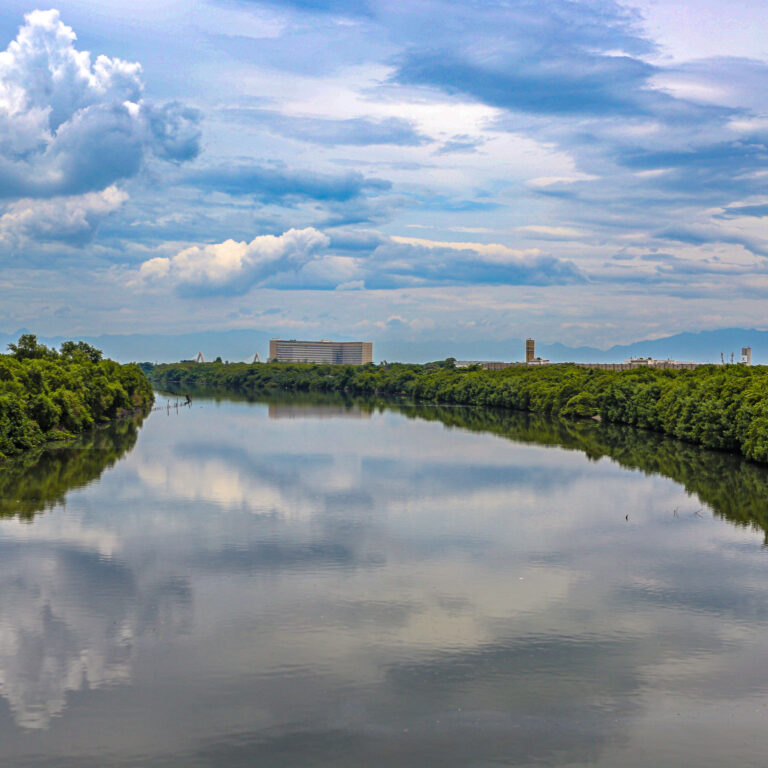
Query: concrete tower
[746, 355]
[530, 350]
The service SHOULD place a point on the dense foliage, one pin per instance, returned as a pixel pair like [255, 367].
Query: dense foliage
[722, 407]
[47, 394]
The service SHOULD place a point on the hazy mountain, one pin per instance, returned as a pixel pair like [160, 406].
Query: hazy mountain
[703, 347]
[238, 345]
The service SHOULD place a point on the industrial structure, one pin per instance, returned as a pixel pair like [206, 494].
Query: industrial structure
[497, 365]
[323, 351]
[361, 352]
[642, 362]
[486, 365]
[530, 350]
[627, 365]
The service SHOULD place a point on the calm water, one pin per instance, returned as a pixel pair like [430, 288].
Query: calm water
[292, 584]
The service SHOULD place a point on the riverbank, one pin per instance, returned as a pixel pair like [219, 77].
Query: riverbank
[48, 395]
[720, 407]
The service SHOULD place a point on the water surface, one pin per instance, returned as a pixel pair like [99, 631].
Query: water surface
[295, 583]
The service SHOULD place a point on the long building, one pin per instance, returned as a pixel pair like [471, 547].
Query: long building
[323, 351]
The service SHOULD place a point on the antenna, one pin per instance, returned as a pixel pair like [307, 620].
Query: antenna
[722, 359]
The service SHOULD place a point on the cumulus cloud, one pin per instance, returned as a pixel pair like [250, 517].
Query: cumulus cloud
[70, 124]
[234, 267]
[306, 259]
[73, 219]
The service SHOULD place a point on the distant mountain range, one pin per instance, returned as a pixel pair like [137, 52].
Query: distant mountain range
[703, 347]
[238, 345]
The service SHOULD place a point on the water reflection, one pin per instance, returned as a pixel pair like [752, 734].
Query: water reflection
[247, 591]
[731, 486]
[324, 411]
[40, 479]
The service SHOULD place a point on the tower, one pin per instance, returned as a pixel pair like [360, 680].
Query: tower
[746, 355]
[530, 350]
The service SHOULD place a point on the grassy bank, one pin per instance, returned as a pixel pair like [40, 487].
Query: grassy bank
[721, 407]
[48, 394]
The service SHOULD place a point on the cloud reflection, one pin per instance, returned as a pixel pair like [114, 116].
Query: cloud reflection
[348, 591]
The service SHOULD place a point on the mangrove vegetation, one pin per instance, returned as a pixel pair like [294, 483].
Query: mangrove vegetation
[48, 394]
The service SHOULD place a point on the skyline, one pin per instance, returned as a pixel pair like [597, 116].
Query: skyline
[242, 345]
[591, 172]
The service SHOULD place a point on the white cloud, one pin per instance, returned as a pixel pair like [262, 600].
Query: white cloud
[72, 219]
[490, 252]
[553, 233]
[69, 124]
[234, 267]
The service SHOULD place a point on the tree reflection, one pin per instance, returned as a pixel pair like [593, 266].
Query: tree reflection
[734, 488]
[40, 479]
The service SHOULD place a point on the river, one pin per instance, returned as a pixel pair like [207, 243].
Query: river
[295, 582]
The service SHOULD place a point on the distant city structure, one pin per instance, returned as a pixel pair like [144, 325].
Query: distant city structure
[530, 354]
[642, 362]
[627, 365]
[530, 350]
[746, 355]
[323, 351]
[486, 365]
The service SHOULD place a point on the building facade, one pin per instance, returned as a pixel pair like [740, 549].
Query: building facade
[323, 351]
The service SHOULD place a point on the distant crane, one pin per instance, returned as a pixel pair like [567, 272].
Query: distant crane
[199, 358]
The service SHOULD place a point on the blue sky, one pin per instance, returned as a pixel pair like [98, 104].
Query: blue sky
[585, 172]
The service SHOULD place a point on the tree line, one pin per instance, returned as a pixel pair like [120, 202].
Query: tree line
[720, 407]
[48, 394]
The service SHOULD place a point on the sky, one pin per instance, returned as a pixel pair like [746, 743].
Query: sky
[587, 172]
